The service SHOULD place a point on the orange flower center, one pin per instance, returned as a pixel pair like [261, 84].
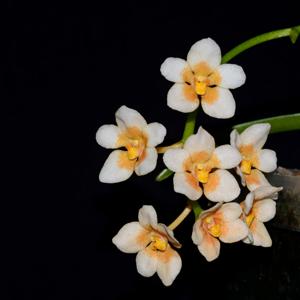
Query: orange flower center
[213, 227]
[200, 84]
[134, 140]
[133, 149]
[249, 219]
[202, 173]
[158, 243]
[246, 166]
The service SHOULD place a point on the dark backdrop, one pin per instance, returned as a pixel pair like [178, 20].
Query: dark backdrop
[69, 66]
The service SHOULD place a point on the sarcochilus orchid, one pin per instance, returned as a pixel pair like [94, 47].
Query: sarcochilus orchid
[204, 171]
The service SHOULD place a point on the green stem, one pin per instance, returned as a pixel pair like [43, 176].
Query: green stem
[164, 174]
[278, 124]
[292, 32]
[196, 208]
[189, 125]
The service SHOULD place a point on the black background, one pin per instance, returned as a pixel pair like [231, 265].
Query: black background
[69, 66]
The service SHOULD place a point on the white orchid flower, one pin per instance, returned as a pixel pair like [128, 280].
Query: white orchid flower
[199, 162]
[259, 207]
[202, 79]
[137, 137]
[219, 223]
[152, 243]
[254, 158]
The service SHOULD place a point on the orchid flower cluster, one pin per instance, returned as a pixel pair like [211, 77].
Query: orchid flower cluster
[201, 169]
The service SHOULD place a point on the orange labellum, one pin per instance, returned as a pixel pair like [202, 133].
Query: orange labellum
[124, 162]
[189, 93]
[213, 182]
[211, 95]
[202, 69]
[192, 181]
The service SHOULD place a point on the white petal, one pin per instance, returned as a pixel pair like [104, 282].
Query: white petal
[148, 163]
[116, 168]
[228, 157]
[185, 183]
[180, 100]
[131, 238]
[173, 68]
[197, 233]
[107, 136]
[221, 187]
[165, 230]
[156, 133]
[241, 174]
[168, 269]
[255, 179]
[147, 216]
[255, 135]
[267, 161]
[265, 210]
[267, 191]
[249, 238]
[260, 234]
[174, 159]
[229, 212]
[234, 231]
[248, 202]
[223, 107]
[127, 117]
[205, 50]
[212, 210]
[209, 247]
[235, 139]
[232, 76]
[146, 262]
[199, 142]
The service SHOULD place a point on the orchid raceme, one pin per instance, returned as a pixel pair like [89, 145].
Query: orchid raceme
[137, 137]
[254, 158]
[202, 79]
[200, 162]
[219, 223]
[199, 166]
[259, 207]
[151, 241]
